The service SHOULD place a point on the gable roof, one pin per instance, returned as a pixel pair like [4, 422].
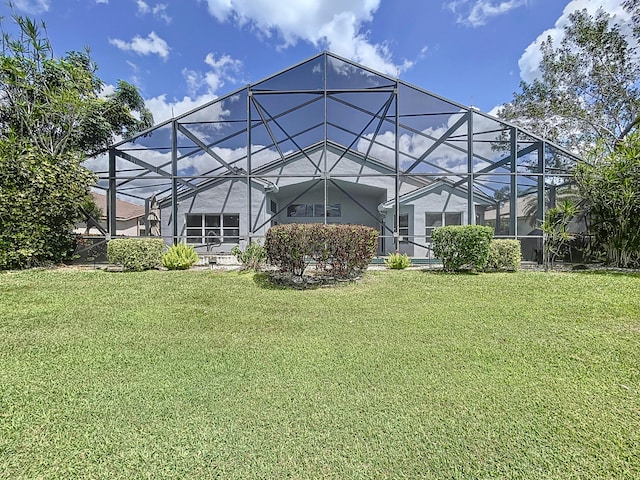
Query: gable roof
[267, 168]
[421, 192]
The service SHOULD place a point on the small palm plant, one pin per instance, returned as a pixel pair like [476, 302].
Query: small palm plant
[180, 257]
[397, 261]
[555, 230]
[252, 258]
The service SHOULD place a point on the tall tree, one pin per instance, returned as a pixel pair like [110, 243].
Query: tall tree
[52, 116]
[589, 83]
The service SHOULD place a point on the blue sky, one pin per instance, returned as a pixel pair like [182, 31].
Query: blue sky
[183, 53]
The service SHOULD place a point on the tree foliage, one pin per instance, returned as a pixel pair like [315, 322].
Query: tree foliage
[38, 205]
[609, 183]
[56, 103]
[52, 116]
[589, 84]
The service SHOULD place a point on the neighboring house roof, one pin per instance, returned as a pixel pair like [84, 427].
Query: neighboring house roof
[124, 210]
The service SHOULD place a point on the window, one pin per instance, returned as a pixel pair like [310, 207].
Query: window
[213, 227]
[334, 210]
[438, 219]
[313, 210]
[403, 229]
[273, 206]
[299, 210]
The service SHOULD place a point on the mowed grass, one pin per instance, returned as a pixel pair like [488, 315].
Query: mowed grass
[405, 374]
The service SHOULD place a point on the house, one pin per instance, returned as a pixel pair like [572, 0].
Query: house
[130, 218]
[330, 141]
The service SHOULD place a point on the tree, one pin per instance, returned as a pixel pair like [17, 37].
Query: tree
[52, 116]
[609, 183]
[589, 84]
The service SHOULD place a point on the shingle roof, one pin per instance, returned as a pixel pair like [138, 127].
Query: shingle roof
[124, 210]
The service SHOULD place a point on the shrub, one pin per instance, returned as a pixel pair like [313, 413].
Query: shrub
[349, 248]
[39, 205]
[135, 254]
[397, 261]
[180, 257]
[504, 255]
[287, 246]
[462, 246]
[344, 250]
[252, 258]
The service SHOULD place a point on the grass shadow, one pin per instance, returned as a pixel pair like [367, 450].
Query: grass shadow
[613, 273]
[263, 280]
[440, 271]
[277, 281]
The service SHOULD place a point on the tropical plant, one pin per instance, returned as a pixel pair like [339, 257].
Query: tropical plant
[397, 261]
[555, 230]
[252, 257]
[562, 193]
[609, 183]
[180, 256]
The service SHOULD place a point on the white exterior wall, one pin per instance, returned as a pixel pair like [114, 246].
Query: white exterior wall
[228, 196]
[442, 198]
[350, 211]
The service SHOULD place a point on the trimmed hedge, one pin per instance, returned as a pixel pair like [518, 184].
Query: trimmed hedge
[504, 255]
[342, 250]
[462, 246]
[136, 254]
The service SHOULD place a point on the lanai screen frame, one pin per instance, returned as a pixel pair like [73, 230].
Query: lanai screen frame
[489, 152]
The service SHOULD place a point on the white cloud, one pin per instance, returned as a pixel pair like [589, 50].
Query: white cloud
[476, 13]
[446, 156]
[33, 7]
[530, 60]
[164, 109]
[153, 44]
[222, 70]
[159, 10]
[143, 7]
[336, 25]
[106, 2]
[107, 90]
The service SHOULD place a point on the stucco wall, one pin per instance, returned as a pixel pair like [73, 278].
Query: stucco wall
[442, 198]
[228, 196]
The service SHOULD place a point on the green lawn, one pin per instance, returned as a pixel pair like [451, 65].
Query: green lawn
[405, 374]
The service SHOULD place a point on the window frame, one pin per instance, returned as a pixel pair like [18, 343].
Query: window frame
[428, 229]
[314, 210]
[223, 227]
